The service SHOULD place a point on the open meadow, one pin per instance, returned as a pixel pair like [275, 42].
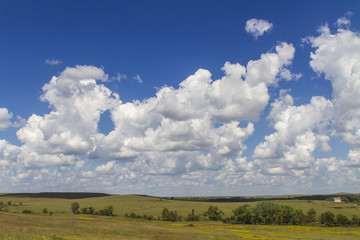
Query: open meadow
[63, 224]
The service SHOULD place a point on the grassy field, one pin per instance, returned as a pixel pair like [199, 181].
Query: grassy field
[65, 225]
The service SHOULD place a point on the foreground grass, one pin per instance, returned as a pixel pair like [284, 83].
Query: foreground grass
[22, 226]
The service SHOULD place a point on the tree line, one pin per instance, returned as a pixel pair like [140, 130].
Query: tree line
[107, 211]
[264, 213]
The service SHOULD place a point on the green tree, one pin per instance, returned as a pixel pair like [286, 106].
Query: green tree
[108, 211]
[355, 220]
[75, 207]
[342, 220]
[164, 214]
[213, 213]
[91, 210]
[243, 214]
[45, 211]
[311, 216]
[285, 215]
[167, 215]
[267, 212]
[191, 217]
[299, 217]
[328, 218]
[84, 210]
[172, 216]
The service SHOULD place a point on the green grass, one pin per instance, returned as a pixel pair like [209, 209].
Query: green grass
[65, 225]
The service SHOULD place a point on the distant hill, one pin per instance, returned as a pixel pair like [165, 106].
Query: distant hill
[349, 196]
[63, 195]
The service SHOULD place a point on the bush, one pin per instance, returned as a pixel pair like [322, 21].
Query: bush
[191, 217]
[27, 211]
[311, 216]
[342, 220]
[109, 210]
[213, 213]
[328, 219]
[172, 216]
[84, 210]
[355, 220]
[243, 214]
[45, 211]
[75, 207]
[91, 210]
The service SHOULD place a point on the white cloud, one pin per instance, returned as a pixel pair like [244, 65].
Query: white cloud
[138, 78]
[53, 61]
[292, 147]
[337, 56]
[5, 117]
[257, 27]
[344, 22]
[194, 127]
[119, 77]
[77, 102]
[193, 136]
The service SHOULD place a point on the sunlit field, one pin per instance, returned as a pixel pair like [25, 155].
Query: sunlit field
[63, 224]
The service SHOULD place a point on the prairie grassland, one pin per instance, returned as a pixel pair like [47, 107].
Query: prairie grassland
[152, 206]
[75, 227]
[65, 225]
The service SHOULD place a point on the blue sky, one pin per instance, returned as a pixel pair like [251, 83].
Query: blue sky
[180, 97]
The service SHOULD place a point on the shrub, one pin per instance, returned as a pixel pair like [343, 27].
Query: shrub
[191, 217]
[84, 210]
[342, 220]
[355, 220]
[213, 213]
[311, 216]
[27, 211]
[164, 214]
[45, 211]
[328, 219]
[172, 216]
[108, 211]
[243, 214]
[91, 210]
[75, 207]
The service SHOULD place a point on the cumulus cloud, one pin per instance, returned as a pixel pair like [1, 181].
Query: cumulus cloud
[53, 61]
[337, 56]
[194, 127]
[257, 27]
[291, 147]
[194, 134]
[77, 102]
[5, 117]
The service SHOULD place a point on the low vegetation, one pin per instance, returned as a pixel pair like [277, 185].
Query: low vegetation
[43, 218]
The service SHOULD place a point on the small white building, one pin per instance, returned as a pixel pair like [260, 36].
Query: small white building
[337, 199]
